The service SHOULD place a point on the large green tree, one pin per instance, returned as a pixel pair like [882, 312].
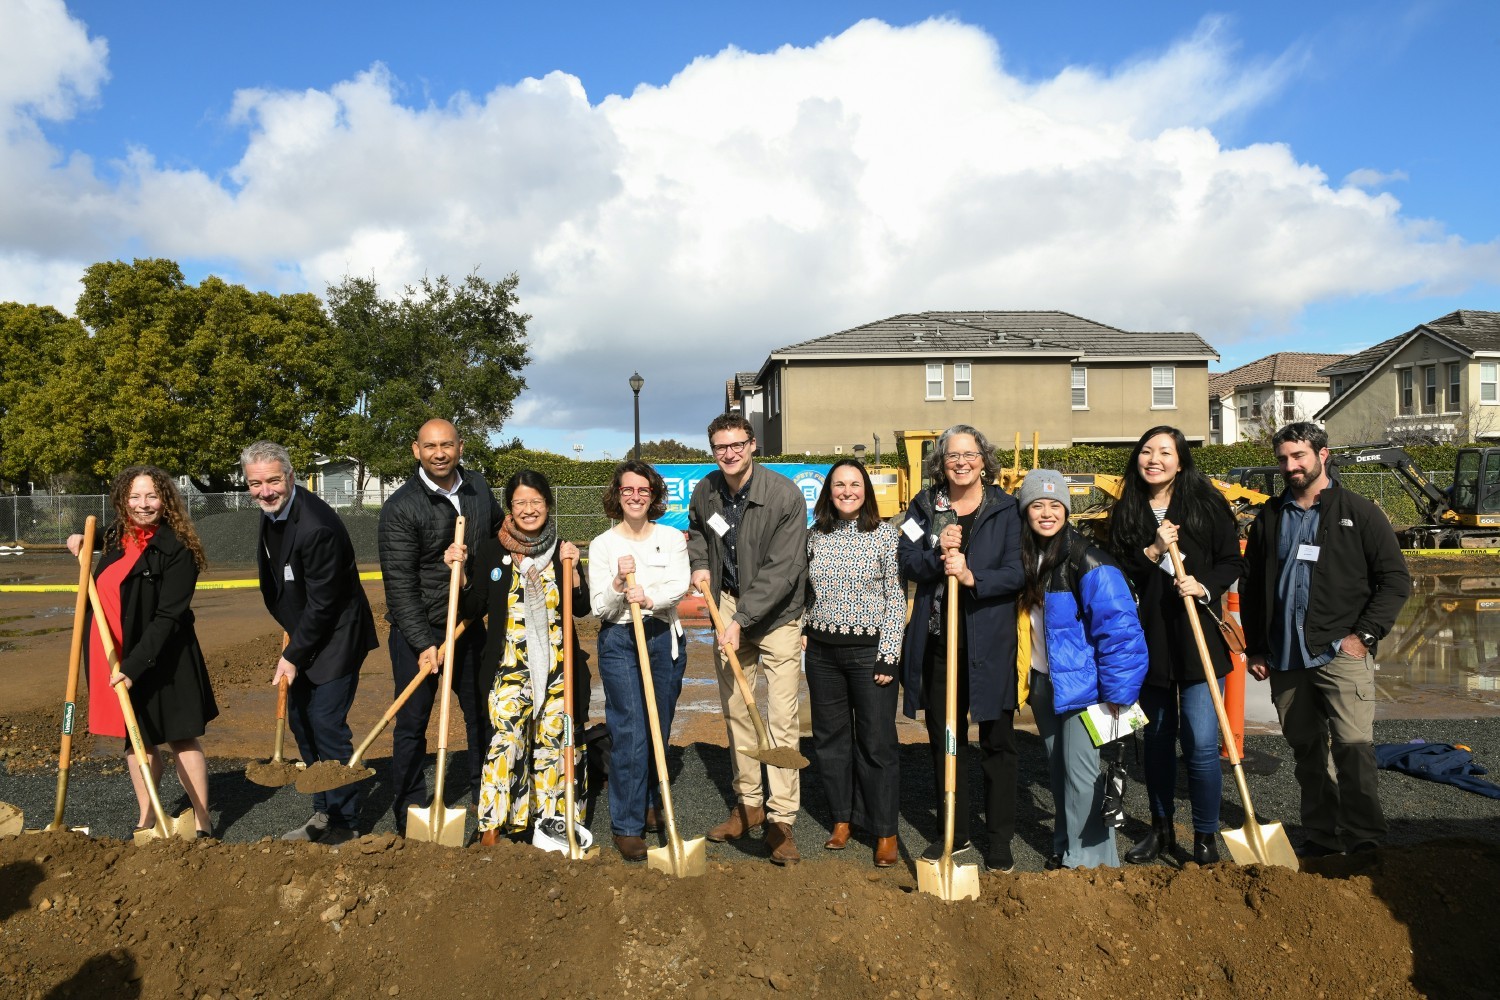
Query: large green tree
[46, 361]
[439, 349]
[187, 376]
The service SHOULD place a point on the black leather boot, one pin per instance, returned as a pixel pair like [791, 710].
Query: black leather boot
[1205, 848]
[1161, 840]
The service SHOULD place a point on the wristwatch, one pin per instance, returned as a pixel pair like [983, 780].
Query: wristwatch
[1368, 638]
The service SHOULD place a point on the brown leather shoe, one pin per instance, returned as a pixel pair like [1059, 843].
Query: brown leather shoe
[839, 839]
[742, 819]
[783, 847]
[655, 823]
[631, 848]
[489, 838]
[885, 852]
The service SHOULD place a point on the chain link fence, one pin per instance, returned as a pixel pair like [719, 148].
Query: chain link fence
[226, 522]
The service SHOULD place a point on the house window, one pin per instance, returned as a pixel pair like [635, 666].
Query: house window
[1455, 375]
[1288, 405]
[1213, 418]
[1403, 380]
[1338, 387]
[1163, 387]
[1244, 407]
[1080, 387]
[1255, 404]
[963, 380]
[1429, 389]
[775, 393]
[1487, 380]
[935, 381]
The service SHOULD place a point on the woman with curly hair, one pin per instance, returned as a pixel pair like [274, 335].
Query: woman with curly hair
[658, 557]
[152, 558]
[1165, 500]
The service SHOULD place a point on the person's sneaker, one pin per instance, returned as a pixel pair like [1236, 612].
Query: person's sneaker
[336, 835]
[314, 829]
[935, 850]
[551, 834]
[1053, 863]
[1004, 863]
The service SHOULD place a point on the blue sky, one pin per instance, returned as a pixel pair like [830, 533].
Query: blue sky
[1272, 175]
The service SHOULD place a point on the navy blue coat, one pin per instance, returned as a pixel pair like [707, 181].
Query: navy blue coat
[994, 557]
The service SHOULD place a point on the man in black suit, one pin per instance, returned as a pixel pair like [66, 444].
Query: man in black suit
[311, 586]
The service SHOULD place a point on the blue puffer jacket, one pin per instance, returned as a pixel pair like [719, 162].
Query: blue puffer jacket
[1101, 654]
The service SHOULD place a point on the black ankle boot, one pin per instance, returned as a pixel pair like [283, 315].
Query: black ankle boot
[1161, 840]
[1205, 848]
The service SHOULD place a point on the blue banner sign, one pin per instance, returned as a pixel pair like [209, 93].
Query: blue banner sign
[681, 480]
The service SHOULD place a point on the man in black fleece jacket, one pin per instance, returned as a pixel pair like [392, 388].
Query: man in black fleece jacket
[1326, 581]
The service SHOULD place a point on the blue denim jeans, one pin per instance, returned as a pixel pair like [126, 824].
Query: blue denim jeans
[633, 782]
[1183, 711]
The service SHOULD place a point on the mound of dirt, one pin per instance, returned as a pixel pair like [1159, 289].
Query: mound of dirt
[386, 917]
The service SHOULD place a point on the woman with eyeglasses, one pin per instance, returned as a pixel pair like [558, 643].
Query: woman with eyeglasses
[658, 558]
[964, 529]
[856, 608]
[518, 581]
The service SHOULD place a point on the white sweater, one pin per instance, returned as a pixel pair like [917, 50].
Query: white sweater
[661, 568]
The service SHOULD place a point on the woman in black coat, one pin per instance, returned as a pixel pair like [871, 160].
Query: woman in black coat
[1166, 499]
[145, 581]
[965, 527]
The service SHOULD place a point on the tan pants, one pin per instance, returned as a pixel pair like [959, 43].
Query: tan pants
[778, 655]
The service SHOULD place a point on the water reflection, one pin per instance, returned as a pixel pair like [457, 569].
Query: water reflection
[1443, 657]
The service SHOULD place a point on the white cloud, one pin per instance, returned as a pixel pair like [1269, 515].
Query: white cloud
[755, 200]
[1367, 177]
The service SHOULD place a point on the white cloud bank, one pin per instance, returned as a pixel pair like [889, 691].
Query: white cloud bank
[753, 201]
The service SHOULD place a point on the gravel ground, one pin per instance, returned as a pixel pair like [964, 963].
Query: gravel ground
[99, 796]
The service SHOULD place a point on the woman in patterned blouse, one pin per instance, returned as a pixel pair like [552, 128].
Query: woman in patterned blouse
[856, 610]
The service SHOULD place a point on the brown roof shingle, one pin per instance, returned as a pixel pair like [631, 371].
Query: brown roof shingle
[1281, 368]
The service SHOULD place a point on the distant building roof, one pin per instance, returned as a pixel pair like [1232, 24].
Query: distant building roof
[1281, 368]
[1472, 330]
[1040, 333]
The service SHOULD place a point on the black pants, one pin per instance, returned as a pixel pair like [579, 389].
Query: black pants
[319, 717]
[409, 738]
[854, 731]
[998, 759]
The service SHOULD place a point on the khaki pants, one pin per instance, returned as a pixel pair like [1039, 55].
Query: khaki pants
[778, 655]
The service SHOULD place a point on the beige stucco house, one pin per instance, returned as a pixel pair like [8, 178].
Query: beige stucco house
[1248, 403]
[1438, 382]
[1072, 380]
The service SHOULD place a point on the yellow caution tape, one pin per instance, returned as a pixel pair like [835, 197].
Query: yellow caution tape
[72, 588]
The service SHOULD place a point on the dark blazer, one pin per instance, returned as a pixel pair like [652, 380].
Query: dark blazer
[159, 649]
[322, 606]
[1213, 559]
[490, 574]
[994, 557]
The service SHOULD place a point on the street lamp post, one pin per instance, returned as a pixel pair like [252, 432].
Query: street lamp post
[636, 382]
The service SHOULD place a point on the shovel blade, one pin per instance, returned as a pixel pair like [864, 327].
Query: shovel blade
[61, 828]
[684, 859]
[437, 824]
[326, 775]
[272, 774]
[180, 826]
[946, 880]
[1273, 847]
[12, 820]
[784, 757]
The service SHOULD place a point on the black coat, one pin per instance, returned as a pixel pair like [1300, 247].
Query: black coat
[994, 557]
[490, 571]
[1213, 559]
[314, 591]
[416, 528]
[170, 689]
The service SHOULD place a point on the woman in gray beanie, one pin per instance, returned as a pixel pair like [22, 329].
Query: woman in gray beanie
[1079, 643]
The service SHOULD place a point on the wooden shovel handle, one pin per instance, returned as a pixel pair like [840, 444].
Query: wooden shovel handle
[739, 675]
[401, 699]
[1208, 669]
[75, 661]
[658, 742]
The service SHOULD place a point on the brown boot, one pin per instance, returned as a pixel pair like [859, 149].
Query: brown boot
[783, 847]
[489, 838]
[742, 819]
[631, 848]
[885, 852]
[839, 839]
[654, 821]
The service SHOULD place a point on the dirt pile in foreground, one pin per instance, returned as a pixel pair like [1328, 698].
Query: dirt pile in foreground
[389, 918]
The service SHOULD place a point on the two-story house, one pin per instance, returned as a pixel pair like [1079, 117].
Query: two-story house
[1248, 403]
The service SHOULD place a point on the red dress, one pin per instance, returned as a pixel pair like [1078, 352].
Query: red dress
[105, 718]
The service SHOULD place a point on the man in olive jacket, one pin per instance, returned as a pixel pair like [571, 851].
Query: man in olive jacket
[1326, 581]
[748, 550]
[416, 527]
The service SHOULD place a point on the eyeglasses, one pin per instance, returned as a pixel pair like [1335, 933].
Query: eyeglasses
[731, 447]
[528, 505]
[961, 456]
[635, 491]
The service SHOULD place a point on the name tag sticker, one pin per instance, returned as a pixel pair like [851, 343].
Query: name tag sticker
[720, 526]
[656, 559]
[911, 529]
[1166, 565]
[286, 573]
[1308, 553]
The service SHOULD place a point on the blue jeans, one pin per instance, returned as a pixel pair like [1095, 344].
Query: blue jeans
[1185, 711]
[319, 717]
[633, 781]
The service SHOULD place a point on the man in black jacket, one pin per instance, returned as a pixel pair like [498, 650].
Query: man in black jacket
[416, 527]
[310, 583]
[1326, 581]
